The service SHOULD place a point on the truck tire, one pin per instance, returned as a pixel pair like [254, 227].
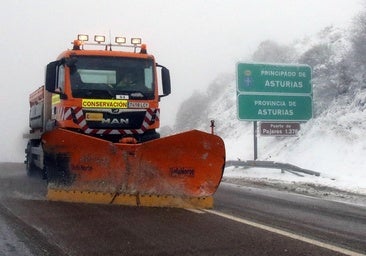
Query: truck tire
[29, 164]
[45, 173]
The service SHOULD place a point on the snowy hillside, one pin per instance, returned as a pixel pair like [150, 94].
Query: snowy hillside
[332, 143]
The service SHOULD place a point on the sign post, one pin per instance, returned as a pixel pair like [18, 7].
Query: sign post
[255, 129]
[273, 92]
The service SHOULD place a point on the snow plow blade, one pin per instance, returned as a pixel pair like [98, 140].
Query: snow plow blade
[182, 170]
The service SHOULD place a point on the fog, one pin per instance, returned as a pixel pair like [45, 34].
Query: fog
[196, 39]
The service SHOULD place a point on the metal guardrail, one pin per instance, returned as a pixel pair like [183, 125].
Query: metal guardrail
[271, 164]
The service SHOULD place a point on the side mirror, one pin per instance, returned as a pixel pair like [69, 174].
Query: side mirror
[51, 70]
[165, 79]
[51, 78]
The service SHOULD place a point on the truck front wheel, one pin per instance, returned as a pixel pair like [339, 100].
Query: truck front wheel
[29, 163]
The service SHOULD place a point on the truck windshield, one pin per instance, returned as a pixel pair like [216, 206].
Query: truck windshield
[112, 77]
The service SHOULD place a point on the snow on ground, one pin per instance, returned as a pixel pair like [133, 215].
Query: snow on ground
[340, 161]
[341, 165]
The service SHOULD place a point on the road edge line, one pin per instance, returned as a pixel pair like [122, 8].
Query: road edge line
[286, 233]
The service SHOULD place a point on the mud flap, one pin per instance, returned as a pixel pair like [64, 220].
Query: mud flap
[181, 170]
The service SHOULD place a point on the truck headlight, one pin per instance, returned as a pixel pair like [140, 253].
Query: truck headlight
[99, 39]
[83, 38]
[120, 40]
[136, 41]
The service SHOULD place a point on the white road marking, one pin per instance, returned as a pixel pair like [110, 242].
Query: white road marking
[194, 210]
[287, 234]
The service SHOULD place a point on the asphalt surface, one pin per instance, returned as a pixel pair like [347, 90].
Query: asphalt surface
[30, 225]
[337, 223]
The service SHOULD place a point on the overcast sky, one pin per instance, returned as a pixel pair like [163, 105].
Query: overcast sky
[196, 39]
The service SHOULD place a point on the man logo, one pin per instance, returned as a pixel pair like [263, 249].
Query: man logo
[116, 121]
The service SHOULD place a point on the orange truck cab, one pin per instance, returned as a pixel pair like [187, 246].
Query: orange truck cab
[107, 93]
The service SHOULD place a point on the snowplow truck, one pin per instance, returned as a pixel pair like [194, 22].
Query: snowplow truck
[93, 132]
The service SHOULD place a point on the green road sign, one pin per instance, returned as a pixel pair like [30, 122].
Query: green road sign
[273, 78]
[252, 107]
